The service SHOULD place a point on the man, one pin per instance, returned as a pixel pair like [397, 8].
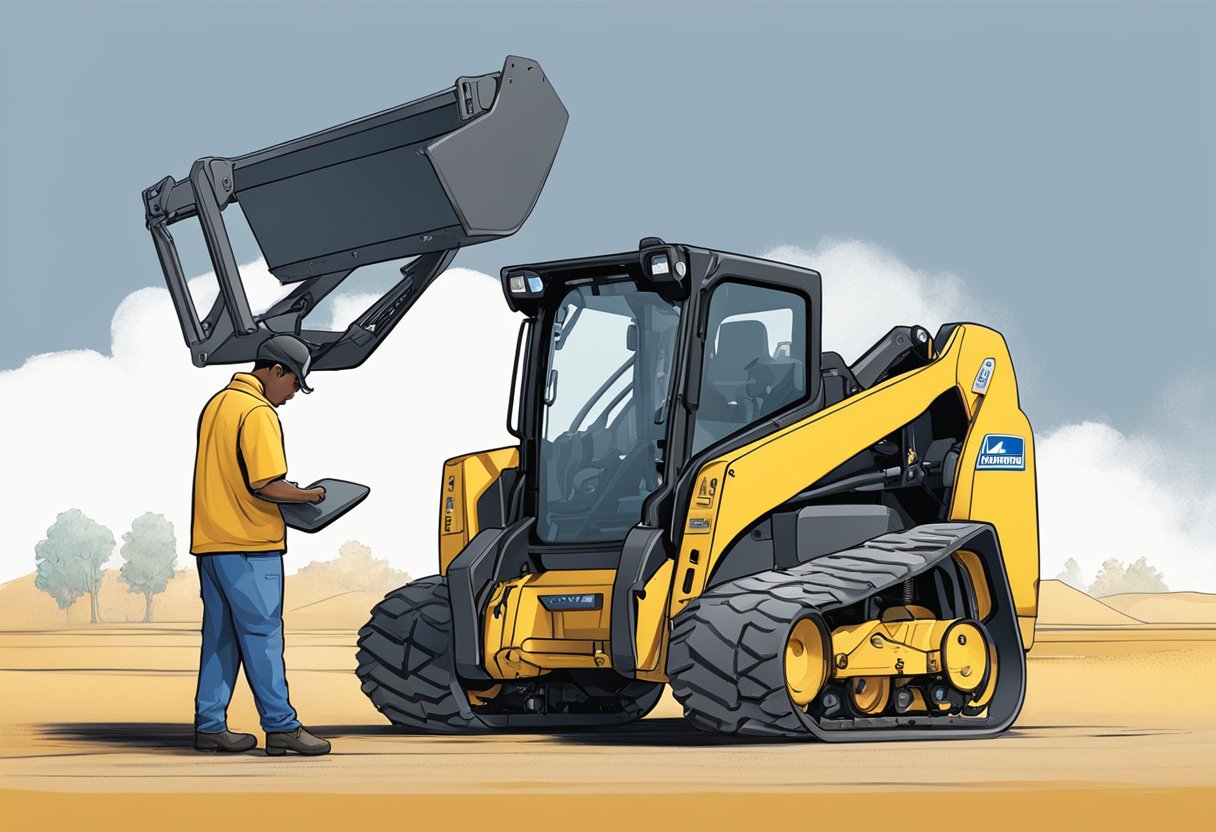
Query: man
[239, 537]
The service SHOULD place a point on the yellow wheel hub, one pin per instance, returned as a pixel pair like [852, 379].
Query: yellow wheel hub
[806, 662]
[478, 698]
[965, 655]
[870, 694]
[981, 701]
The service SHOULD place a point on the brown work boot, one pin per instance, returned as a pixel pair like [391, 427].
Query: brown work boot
[299, 741]
[224, 741]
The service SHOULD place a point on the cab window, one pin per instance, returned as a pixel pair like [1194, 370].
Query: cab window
[755, 359]
[609, 367]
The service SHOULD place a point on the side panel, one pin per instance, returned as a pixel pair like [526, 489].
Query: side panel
[550, 620]
[734, 490]
[1000, 489]
[652, 625]
[465, 479]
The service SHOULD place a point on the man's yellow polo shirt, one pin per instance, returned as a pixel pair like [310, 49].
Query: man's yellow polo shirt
[240, 441]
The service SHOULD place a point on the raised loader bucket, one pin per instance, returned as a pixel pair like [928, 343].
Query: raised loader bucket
[457, 168]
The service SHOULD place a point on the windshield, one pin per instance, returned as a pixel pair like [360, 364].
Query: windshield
[605, 395]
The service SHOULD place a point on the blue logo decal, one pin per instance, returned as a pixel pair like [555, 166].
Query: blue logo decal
[1002, 453]
[984, 376]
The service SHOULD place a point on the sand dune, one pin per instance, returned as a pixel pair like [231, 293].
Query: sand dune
[23, 605]
[308, 602]
[334, 594]
[1060, 604]
[1166, 607]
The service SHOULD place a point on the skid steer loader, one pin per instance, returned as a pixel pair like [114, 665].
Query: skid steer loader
[699, 495]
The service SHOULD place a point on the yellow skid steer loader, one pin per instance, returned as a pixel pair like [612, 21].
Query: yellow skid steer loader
[699, 495]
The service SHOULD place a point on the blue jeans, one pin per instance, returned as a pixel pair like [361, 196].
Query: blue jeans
[242, 624]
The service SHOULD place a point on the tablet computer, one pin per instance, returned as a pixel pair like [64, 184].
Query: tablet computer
[340, 497]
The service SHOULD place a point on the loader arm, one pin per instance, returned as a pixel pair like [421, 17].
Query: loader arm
[422, 180]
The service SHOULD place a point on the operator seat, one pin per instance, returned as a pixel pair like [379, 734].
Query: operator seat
[741, 345]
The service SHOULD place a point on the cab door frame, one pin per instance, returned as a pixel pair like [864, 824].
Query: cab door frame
[724, 268]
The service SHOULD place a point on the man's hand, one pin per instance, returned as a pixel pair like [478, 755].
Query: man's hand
[282, 491]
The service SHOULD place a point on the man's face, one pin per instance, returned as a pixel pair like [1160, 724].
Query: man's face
[281, 386]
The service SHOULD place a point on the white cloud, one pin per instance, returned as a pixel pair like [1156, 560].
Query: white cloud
[867, 290]
[114, 435]
[1104, 494]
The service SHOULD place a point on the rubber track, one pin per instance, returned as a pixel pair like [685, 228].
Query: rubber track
[726, 654]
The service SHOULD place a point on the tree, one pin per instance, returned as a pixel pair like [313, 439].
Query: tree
[70, 559]
[55, 578]
[1072, 575]
[1109, 580]
[148, 552]
[1115, 579]
[1140, 577]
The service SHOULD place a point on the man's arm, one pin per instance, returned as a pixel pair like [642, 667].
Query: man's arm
[281, 491]
[261, 448]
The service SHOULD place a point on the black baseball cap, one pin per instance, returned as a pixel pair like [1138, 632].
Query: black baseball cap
[289, 351]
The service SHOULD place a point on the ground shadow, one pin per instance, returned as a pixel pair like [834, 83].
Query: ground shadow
[123, 734]
[677, 732]
[658, 731]
[176, 735]
[385, 730]
[673, 732]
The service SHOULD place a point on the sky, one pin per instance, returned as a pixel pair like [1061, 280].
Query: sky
[1045, 168]
[113, 432]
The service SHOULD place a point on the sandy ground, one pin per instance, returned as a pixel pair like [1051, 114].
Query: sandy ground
[1119, 725]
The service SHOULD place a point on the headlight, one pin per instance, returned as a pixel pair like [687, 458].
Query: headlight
[525, 283]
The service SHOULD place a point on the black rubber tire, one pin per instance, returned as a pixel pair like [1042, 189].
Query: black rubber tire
[726, 658]
[406, 669]
[405, 660]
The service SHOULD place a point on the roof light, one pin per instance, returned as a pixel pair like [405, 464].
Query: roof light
[527, 283]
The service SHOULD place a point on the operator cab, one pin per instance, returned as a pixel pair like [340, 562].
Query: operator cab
[638, 362]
